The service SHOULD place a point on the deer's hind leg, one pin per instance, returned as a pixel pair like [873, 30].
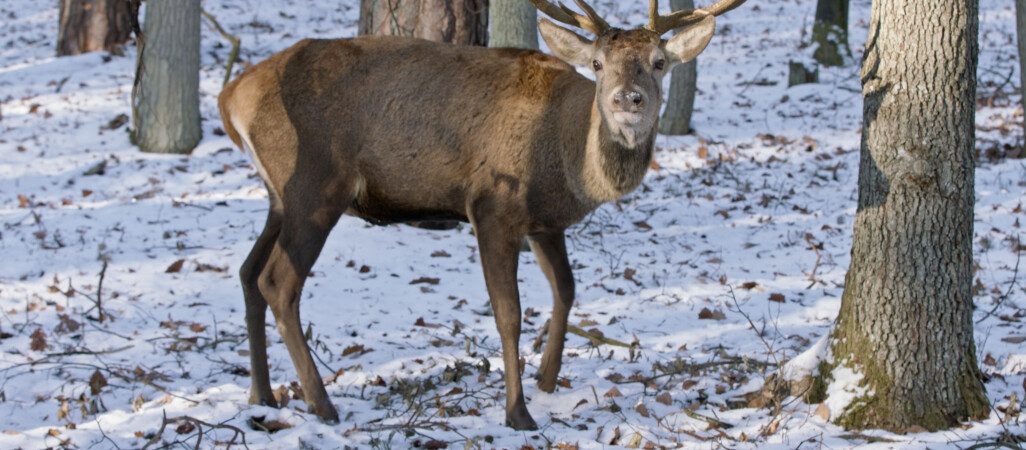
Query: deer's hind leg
[256, 307]
[306, 224]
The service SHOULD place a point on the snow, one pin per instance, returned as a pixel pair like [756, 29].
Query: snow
[732, 220]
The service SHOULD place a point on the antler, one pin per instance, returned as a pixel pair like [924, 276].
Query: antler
[661, 24]
[591, 22]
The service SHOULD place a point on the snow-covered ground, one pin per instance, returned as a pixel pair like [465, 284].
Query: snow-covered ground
[121, 305]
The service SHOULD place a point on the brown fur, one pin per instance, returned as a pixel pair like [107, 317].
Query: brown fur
[397, 129]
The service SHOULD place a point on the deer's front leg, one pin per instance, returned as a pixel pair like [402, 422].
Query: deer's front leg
[500, 248]
[550, 250]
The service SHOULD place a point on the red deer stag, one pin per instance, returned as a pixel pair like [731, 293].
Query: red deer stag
[396, 129]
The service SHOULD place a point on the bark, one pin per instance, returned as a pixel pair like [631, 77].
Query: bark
[830, 32]
[93, 25]
[462, 22]
[167, 118]
[1020, 28]
[906, 314]
[514, 23]
[680, 103]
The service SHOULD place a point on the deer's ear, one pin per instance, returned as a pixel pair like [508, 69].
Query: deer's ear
[566, 44]
[687, 44]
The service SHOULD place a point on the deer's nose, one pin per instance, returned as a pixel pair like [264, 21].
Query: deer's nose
[628, 100]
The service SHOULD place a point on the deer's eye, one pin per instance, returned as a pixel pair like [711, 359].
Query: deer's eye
[660, 64]
[596, 65]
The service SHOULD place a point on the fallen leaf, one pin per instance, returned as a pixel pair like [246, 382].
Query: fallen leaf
[97, 382]
[705, 313]
[440, 254]
[823, 412]
[643, 225]
[197, 328]
[421, 323]
[989, 360]
[38, 340]
[281, 395]
[664, 398]
[1014, 339]
[175, 267]
[185, 428]
[749, 285]
[614, 392]
[428, 280]
[642, 409]
[354, 349]
[779, 298]
[23, 201]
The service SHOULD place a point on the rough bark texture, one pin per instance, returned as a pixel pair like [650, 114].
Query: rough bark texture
[514, 23]
[1020, 28]
[906, 314]
[167, 118]
[830, 32]
[93, 25]
[462, 22]
[680, 103]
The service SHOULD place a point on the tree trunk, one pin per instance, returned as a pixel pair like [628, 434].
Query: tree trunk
[680, 103]
[462, 22]
[92, 25]
[1020, 28]
[167, 118]
[830, 32]
[514, 23]
[905, 322]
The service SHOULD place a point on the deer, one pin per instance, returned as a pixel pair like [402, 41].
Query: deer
[398, 130]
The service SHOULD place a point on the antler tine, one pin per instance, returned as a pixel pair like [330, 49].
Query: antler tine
[661, 24]
[591, 21]
[600, 25]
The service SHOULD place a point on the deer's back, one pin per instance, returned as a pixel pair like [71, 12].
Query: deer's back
[421, 127]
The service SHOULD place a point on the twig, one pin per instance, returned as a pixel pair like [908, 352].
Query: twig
[712, 422]
[694, 368]
[752, 324]
[594, 337]
[99, 290]
[89, 352]
[160, 432]
[812, 276]
[105, 437]
[234, 55]
[199, 427]
[1015, 276]
[542, 333]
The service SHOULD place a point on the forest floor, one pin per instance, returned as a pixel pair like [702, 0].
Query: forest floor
[121, 314]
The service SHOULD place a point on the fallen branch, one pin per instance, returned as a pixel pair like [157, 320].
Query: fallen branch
[709, 420]
[199, 424]
[596, 338]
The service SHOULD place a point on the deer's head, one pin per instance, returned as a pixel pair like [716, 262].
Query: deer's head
[629, 65]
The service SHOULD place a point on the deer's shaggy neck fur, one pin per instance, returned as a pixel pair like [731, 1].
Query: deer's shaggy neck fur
[614, 162]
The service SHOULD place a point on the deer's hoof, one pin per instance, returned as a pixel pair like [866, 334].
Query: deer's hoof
[545, 385]
[520, 420]
[263, 401]
[327, 414]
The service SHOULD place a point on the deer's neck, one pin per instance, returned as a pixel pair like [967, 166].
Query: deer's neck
[615, 158]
